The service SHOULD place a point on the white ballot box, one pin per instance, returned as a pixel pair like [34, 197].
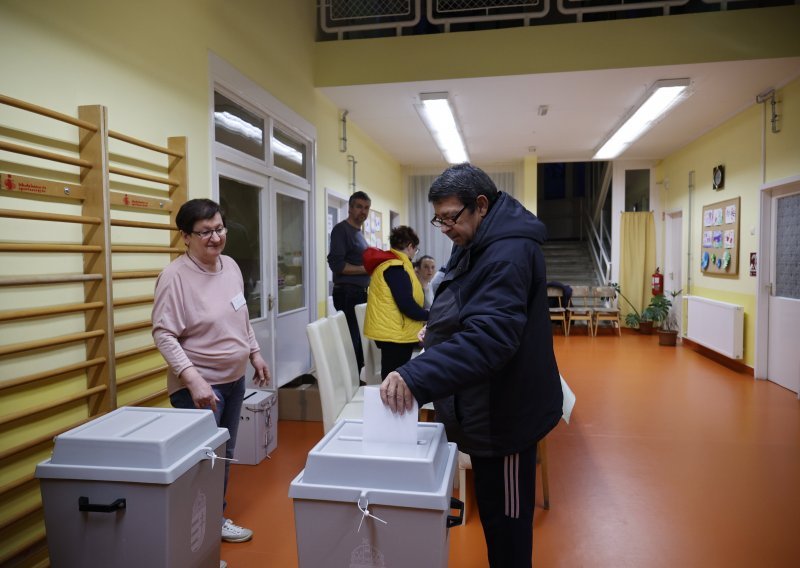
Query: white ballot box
[360, 503]
[136, 487]
[258, 427]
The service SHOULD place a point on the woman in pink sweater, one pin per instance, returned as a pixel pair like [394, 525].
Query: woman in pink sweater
[202, 328]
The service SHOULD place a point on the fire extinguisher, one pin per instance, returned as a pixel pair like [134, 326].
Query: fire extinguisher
[658, 283]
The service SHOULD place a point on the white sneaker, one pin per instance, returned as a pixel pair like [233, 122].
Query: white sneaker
[235, 533]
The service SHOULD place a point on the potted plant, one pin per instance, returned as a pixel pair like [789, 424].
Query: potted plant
[658, 310]
[668, 335]
[652, 316]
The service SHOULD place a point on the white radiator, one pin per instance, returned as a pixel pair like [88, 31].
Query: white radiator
[716, 325]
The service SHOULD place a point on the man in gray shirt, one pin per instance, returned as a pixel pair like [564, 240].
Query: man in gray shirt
[350, 279]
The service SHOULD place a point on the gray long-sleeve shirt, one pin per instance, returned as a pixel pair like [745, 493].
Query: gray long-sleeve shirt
[347, 246]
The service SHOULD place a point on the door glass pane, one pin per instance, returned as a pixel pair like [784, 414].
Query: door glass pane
[238, 128]
[240, 204]
[787, 251]
[637, 190]
[288, 153]
[290, 216]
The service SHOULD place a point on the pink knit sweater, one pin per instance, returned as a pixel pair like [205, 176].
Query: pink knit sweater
[196, 322]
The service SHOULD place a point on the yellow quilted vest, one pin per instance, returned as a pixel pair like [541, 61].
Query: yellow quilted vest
[384, 321]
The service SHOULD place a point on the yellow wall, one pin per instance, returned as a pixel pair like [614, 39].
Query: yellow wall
[737, 145]
[148, 63]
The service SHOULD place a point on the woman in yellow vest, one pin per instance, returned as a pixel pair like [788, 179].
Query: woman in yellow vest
[394, 305]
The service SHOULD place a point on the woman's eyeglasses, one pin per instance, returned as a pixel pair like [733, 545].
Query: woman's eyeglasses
[220, 231]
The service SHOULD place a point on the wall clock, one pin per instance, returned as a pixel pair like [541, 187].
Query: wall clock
[718, 177]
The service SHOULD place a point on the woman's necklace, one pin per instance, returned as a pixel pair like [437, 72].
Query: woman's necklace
[200, 267]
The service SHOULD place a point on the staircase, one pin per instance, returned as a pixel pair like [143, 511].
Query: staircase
[570, 262]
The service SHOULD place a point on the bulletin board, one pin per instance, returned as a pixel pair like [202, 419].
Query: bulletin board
[720, 238]
[373, 229]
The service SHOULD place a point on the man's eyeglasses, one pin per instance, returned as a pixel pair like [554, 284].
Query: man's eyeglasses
[220, 231]
[447, 222]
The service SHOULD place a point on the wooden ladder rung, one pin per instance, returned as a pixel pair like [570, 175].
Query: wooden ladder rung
[146, 177]
[47, 279]
[63, 401]
[142, 375]
[39, 216]
[135, 352]
[140, 224]
[50, 342]
[143, 144]
[133, 326]
[131, 274]
[28, 151]
[133, 301]
[48, 247]
[10, 383]
[49, 311]
[145, 249]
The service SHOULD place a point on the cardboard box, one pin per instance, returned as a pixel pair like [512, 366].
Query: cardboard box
[299, 400]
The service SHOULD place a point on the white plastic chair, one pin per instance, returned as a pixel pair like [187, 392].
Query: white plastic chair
[347, 367]
[371, 372]
[333, 398]
[464, 462]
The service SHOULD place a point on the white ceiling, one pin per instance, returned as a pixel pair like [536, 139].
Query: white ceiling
[498, 115]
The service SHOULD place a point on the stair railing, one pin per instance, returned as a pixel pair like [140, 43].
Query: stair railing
[599, 240]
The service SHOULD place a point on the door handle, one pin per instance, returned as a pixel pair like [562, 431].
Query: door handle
[270, 301]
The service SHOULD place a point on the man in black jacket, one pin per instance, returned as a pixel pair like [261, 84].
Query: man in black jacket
[488, 363]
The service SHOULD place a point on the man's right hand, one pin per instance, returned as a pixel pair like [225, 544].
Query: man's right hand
[395, 393]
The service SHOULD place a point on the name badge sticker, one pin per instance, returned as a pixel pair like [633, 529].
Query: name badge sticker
[238, 301]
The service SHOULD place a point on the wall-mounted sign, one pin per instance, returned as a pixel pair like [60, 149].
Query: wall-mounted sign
[753, 264]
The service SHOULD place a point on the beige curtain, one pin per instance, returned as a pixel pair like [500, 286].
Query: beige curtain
[637, 259]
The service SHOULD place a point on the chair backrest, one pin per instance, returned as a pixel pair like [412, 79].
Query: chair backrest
[371, 374]
[361, 316]
[322, 339]
[604, 296]
[556, 292]
[581, 297]
[347, 366]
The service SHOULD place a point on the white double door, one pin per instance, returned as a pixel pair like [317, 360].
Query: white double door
[268, 237]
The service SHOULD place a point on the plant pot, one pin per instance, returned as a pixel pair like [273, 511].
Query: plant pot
[646, 327]
[668, 337]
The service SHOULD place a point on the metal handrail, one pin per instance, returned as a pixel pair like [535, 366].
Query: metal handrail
[598, 248]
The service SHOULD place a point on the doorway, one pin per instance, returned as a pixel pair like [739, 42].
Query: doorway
[778, 298]
[673, 264]
[268, 238]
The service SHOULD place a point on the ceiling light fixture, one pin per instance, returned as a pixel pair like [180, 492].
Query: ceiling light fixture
[436, 111]
[660, 98]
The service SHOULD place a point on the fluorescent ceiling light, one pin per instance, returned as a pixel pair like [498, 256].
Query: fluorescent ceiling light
[437, 113]
[660, 98]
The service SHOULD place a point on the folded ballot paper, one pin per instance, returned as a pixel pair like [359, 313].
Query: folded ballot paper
[383, 426]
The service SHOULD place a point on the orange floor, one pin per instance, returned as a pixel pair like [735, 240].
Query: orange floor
[670, 460]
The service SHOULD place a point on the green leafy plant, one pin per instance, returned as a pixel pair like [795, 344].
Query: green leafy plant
[658, 309]
[632, 319]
